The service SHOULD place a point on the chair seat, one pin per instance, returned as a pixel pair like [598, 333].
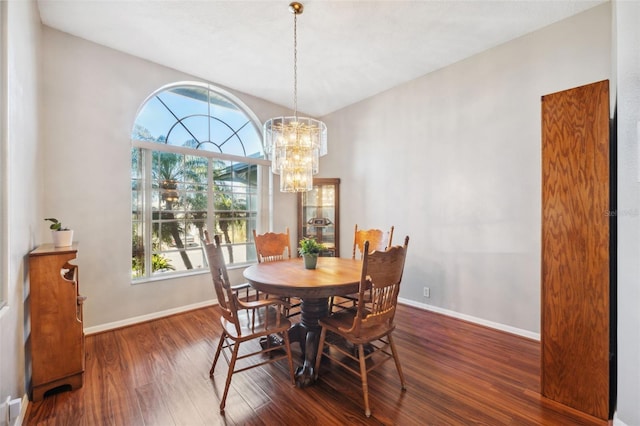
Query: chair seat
[340, 322]
[246, 293]
[347, 301]
[240, 286]
[354, 296]
[263, 325]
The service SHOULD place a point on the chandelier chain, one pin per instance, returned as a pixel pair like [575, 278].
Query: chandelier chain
[295, 148]
[295, 66]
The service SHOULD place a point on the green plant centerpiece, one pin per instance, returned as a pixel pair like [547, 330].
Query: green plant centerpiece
[310, 249]
[62, 236]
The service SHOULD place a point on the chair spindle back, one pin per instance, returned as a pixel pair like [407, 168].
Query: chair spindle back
[226, 297]
[381, 276]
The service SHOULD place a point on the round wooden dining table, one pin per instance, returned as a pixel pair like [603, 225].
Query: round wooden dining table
[333, 276]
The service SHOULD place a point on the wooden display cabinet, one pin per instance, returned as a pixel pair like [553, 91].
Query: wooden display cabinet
[57, 335]
[319, 214]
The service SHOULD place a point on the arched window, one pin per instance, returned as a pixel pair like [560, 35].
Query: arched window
[197, 163]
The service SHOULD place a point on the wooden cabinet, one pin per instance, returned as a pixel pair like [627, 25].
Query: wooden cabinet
[578, 253]
[57, 336]
[319, 214]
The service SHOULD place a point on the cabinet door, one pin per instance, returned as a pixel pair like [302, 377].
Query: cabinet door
[576, 257]
[319, 214]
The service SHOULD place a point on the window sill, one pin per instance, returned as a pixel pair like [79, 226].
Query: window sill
[178, 275]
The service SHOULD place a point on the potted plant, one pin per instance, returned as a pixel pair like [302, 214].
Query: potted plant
[310, 250]
[62, 236]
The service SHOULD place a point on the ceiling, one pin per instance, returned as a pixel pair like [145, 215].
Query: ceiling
[347, 50]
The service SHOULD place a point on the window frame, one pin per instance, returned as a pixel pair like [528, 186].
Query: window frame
[264, 186]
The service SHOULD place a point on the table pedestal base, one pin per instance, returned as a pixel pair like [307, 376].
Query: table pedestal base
[307, 334]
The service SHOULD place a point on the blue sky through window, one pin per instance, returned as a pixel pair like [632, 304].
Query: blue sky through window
[186, 113]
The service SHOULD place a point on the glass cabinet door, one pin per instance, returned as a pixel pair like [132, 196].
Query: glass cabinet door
[318, 214]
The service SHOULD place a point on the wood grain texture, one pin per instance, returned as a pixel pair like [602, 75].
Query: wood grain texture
[272, 246]
[457, 373]
[57, 337]
[378, 240]
[575, 248]
[333, 275]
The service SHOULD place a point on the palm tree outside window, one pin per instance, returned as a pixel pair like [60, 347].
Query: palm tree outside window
[197, 163]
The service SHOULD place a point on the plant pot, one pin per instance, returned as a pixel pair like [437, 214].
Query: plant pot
[310, 261]
[62, 238]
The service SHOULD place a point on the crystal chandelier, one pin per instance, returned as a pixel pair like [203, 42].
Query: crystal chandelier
[295, 144]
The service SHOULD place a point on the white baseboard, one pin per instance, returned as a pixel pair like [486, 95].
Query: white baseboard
[142, 318]
[617, 421]
[23, 410]
[480, 321]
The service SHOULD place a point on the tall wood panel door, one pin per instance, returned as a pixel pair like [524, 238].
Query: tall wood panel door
[575, 248]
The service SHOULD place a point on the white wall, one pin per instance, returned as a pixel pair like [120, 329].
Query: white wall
[24, 178]
[452, 159]
[627, 16]
[90, 98]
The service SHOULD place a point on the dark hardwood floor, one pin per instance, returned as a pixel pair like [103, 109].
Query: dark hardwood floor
[457, 373]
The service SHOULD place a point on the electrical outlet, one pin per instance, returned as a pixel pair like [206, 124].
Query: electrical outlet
[426, 292]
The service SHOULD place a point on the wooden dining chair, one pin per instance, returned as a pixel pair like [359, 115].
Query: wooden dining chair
[243, 291]
[371, 325]
[272, 247]
[378, 240]
[266, 318]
